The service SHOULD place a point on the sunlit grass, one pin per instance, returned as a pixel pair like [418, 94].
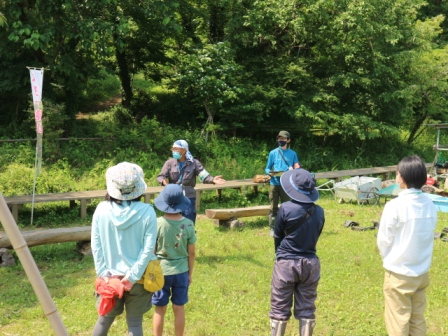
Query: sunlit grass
[231, 284]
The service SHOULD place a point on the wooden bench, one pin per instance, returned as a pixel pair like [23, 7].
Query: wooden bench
[84, 197]
[233, 184]
[223, 216]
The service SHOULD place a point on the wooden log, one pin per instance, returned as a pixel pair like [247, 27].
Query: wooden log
[226, 214]
[50, 236]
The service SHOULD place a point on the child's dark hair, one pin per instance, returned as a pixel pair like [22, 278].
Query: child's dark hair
[413, 171]
[111, 199]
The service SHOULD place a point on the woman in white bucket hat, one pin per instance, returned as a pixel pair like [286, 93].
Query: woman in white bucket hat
[124, 233]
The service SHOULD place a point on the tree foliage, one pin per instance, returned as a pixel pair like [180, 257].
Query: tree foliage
[357, 70]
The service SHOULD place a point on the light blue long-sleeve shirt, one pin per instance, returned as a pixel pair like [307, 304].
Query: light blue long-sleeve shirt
[123, 238]
[277, 164]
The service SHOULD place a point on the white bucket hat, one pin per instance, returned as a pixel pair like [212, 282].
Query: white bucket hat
[125, 181]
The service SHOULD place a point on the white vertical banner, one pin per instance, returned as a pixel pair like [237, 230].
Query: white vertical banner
[37, 78]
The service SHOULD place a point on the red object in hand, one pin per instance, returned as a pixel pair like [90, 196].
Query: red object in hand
[108, 291]
[430, 181]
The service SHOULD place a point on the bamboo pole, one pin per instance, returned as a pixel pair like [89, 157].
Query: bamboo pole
[31, 270]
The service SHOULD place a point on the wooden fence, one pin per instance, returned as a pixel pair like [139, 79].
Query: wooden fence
[84, 197]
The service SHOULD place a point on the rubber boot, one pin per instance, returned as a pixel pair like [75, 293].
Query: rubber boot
[306, 327]
[278, 327]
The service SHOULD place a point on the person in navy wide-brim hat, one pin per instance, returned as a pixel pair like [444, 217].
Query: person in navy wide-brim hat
[296, 273]
[300, 185]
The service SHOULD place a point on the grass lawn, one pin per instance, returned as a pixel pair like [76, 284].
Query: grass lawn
[231, 284]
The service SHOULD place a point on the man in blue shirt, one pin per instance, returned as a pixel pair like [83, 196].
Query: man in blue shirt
[297, 268]
[280, 160]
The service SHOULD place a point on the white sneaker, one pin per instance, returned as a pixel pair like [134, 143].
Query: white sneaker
[271, 233]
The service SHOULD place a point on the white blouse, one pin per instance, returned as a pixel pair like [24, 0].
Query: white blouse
[406, 233]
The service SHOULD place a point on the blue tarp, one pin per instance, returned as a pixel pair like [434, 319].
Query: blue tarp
[393, 190]
[390, 191]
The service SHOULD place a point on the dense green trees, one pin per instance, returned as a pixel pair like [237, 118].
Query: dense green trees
[355, 70]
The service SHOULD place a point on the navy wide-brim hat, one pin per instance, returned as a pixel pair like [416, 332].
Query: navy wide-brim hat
[172, 199]
[300, 185]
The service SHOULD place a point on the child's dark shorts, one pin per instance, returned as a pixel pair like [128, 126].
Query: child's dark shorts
[175, 286]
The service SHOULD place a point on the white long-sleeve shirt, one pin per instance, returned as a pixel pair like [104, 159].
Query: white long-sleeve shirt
[406, 233]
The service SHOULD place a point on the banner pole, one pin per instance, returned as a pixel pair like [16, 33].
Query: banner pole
[37, 78]
[40, 288]
[34, 187]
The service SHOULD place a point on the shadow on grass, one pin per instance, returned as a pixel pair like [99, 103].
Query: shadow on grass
[249, 224]
[213, 260]
[329, 232]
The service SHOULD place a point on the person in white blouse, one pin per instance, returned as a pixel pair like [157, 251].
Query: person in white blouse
[405, 241]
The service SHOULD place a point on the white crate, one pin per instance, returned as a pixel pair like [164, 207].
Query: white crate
[357, 188]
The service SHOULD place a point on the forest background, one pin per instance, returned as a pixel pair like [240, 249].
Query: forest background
[354, 82]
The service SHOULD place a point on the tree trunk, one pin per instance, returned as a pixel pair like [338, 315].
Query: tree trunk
[208, 122]
[421, 115]
[123, 70]
[125, 78]
[217, 22]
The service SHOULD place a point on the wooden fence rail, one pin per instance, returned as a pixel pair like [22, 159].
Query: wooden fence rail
[84, 197]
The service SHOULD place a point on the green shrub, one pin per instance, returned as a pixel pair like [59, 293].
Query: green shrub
[16, 179]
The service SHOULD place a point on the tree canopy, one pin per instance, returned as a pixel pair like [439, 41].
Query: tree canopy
[358, 70]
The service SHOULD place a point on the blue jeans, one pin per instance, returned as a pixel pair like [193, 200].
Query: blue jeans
[176, 287]
[190, 213]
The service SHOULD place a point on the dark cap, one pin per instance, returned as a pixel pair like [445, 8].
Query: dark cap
[284, 134]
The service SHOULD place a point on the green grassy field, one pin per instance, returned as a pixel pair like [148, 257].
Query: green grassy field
[231, 284]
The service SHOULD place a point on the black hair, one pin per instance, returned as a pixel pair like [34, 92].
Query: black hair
[111, 199]
[413, 171]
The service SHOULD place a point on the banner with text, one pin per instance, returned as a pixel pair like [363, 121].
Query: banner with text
[37, 77]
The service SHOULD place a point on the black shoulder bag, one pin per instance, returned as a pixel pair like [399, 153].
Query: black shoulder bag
[283, 157]
[301, 220]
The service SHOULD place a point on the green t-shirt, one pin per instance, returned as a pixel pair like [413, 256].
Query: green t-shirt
[173, 237]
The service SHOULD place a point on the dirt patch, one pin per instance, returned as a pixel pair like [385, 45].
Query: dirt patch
[102, 106]
[108, 103]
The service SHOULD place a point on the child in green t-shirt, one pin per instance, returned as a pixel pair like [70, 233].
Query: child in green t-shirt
[175, 250]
